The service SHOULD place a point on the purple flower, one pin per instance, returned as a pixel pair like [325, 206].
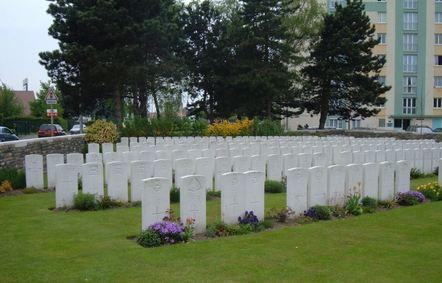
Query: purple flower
[418, 195]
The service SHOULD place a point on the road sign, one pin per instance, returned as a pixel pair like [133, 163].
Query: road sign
[51, 112]
[51, 97]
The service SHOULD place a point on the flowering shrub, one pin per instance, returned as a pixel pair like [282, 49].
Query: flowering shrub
[225, 128]
[410, 198]
[166, 233]
[249, 218]
[5, 186]
[101, 132]
[318, 212]
[431, 191]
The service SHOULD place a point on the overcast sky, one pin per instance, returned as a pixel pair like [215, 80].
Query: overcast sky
[23, 34]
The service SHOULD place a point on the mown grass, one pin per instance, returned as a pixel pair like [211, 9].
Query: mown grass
[37, 244]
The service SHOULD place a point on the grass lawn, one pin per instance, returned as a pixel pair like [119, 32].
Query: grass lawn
[401, 245]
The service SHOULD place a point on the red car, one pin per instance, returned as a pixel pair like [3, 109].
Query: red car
[46, 129]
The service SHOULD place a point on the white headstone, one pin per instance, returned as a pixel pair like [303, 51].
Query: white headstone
[163, 168]
[204, 166]
[336, 175]
[254, 192]
[358, 157]
[117, 187]
[140, 170]
[241, 164]
[92, 178]
[107, 147]
[75, 159]
[370, 156]
[34, 171]
[402, 177]
[51, 161]
[317, 189]
[297, 184]
[320, 159]
[66, 185]
[427, 157]
[257, 163]
[147, 155]
[232, 197]
[371, 180]
[93, 148]
[353, 183]
[386, 181]
[183, 167]
[274, 167]
[222, 165]
[94, 157]
[304, 160]
[193, 201]
[289, 161]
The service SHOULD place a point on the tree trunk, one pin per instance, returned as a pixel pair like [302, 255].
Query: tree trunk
[323, 109]
[118, 106]
[143, 102]
[156, 102]
[269, 109]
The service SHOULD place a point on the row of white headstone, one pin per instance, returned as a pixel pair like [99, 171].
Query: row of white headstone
[242, 192]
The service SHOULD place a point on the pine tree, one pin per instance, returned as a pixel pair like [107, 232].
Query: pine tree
[342, 77]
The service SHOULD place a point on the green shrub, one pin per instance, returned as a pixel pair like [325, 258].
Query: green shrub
[416, 173]
[387, 204]
[281, 215]
[16, 177]
[338, 211]
[431, 191]
[30, 190]
[369, 204]
[106, 202]
[319, 212]
[213, 194]
[352, 205]
[174, 195]
[84, 201]
[149, 238]
[101, 131]
[273, 187]
[266, 127]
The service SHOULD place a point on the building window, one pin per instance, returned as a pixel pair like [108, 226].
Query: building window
[382, 80]
[437, 81]
[410, 42]
[409, 105]
[438, 18]
[355, 124]
[410, 4]
[410, 21]
[437, 103]
[410, 85]
[382, 37]
[381, 123]
[438, 60]
[382, 17]
[410, 63]
[438, 38]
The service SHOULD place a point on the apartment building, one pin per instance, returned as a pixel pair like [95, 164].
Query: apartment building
[410, 33]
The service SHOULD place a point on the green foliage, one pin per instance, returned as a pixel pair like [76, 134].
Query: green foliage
[431, 191]
[101, 132]
[369, 204]
[387, 204]
[220, 229]
[84, 201]
[149, 239]
[164, 126]
[174, 195]
[10, 106]
[27, 125]
[338, 211]
[15, 176]
[30, 190]
[354, 82]
[416, 173]
[106, 203]
[281, 215]
[213, 194]
[273, 187]
[319, 212]
[266, 127]
[353, 206]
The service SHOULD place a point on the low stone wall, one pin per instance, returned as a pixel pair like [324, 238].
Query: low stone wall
[12, 154]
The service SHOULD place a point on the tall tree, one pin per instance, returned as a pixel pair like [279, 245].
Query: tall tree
[9, 105]
[342, 77]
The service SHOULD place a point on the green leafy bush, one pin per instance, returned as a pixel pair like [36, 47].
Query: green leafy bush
[84, 201]
[338, 211]
[319, 212]
[387, 204]
[16, 177]
[369, 204]
[431, 191]
[213, 194]
[281, 215]
[30, 190]
[149, 239]
[101, 131]
[266, 127]
[352, 205]
[174, 195]
[273, 187]
[106, 203]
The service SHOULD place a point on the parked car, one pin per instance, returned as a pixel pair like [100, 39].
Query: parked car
[420, 129]
[7, 135]
[76, 129]
[46, 129]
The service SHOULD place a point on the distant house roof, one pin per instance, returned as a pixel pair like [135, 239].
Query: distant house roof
[25, 97]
